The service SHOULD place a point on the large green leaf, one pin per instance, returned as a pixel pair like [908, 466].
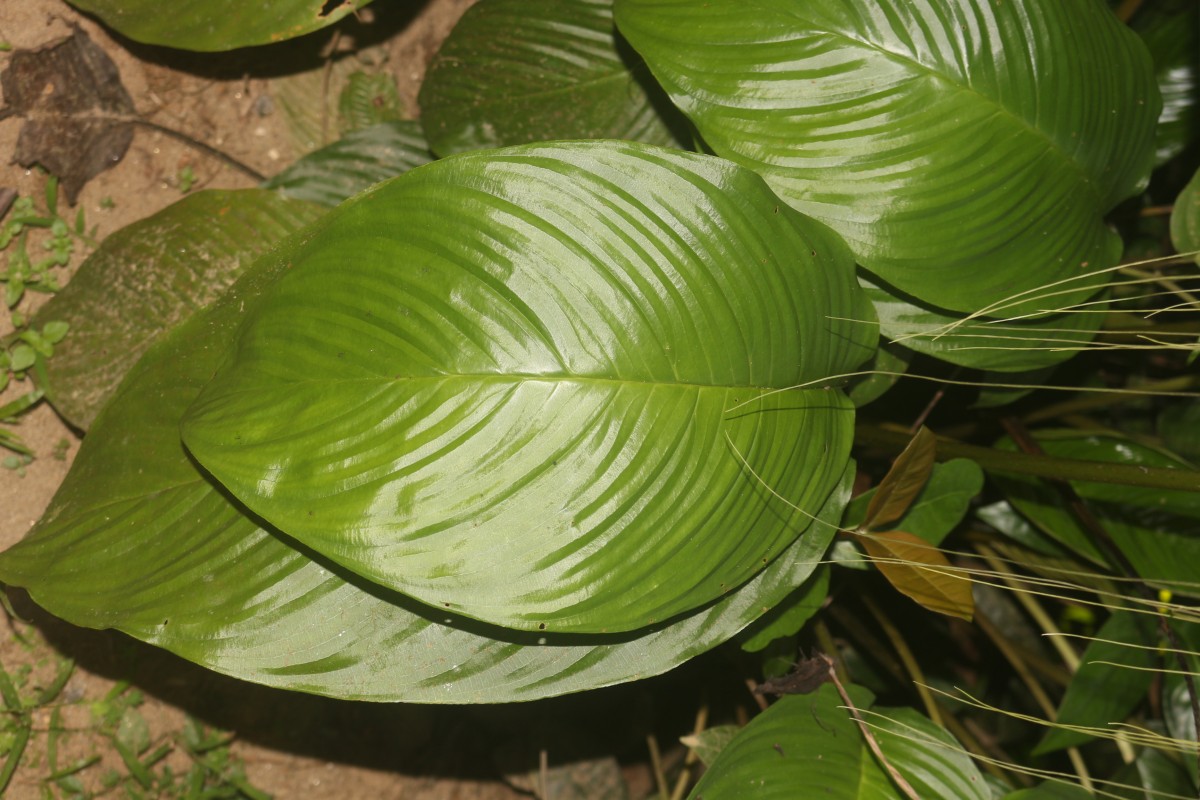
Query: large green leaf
[139, 539]
[966, 149]
[526, 385]
[359, 159]
[217, 24]
[808, 745]
[1156, 530]
[149, 276]
[517, 71]
[1113, 678]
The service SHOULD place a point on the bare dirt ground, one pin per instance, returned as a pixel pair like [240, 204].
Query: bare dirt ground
[292, 746]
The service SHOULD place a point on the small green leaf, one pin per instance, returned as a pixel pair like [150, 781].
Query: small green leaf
[133, 732]
[1005, 342]
[1185, 219]
[52, 196]
[139, 772]
[939, 506]
[709, 743]
[55, 331]
[21, 358]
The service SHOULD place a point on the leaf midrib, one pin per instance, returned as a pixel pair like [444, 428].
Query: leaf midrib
[502, 378]
[1050, 143]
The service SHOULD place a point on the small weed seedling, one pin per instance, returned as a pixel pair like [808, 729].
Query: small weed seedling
[24, 350]
[104, 748]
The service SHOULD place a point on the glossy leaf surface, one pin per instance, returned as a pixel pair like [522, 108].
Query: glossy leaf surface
[1157, 530]
[213, 25]
[517, 71]
[934, 136]
[811, 741]
[150, 276]
[140, 540]
[358, 160]
[536, 391]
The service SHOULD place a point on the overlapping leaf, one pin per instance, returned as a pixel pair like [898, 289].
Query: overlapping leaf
[1185, 219]
[1007, 341]
[534, 394]
[148, 277]
[217, 24]
[356, 161]
[517, 71]
[805, 742]
[139, 539]
[966, 150]
[1116, 672]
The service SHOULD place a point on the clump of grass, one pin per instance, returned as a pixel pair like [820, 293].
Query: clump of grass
[72, 746]
[31, 265]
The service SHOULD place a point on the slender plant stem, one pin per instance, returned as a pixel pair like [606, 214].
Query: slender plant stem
[1095, 401]
[906, 658]
[905, 787]
[893, 439]
[1035, 689]
[208, 149]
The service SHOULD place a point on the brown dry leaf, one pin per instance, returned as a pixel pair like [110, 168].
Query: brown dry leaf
[78, 115]
[903, 483]
[920, 571]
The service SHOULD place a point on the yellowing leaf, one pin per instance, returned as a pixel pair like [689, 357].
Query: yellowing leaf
[903, 483]
[920, 571]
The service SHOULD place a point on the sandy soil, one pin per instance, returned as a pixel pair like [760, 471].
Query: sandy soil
[293, 746]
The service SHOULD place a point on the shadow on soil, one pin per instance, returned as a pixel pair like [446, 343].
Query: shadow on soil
[461, 742]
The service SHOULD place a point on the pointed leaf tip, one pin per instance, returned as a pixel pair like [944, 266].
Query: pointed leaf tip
[903, 483]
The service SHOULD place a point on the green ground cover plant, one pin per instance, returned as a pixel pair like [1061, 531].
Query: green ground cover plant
[671, 326]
